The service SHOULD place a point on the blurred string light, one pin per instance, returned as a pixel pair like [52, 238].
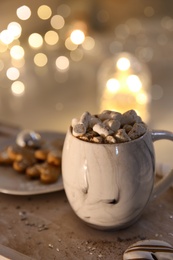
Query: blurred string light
[12, 32]
[44, 12]
[76, 41]
[14, 29]
[77, 36]
[17, 88]
[89, 43]
[124, 83]
[62, 63]
[13, 73]
[134, 83]
[40, 59]
[6, 37]
[17, 52]
[35, 40]
[123, 64]
[70, 45]
[23, 12]
[112, 85]
[51, 37]
[64, 10]
[57, 22]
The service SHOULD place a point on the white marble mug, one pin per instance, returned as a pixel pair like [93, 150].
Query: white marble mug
[109, 185]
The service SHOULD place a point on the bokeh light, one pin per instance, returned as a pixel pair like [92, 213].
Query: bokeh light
[142, 98]
[167, 23]
[123, 64]
[23, 12]
[35, 40]
[51, 37]
[89, 43]
[17, 88]
[17, 52]
[70, 45]
[6, 37]
[149, 11]
[40, 59]
[76, 55]
[64, 10]
[57, 22]
[14, 29]
[77, 36]
[12, 73]
[156, 92]
[113, 85]
[44, 12]
[62, 63]
[134, 83]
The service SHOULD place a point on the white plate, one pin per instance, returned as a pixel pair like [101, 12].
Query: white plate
[12, 182]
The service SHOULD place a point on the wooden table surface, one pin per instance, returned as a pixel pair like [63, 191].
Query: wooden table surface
[45, 227]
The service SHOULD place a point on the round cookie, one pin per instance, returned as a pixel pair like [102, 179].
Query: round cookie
[49, 173]
[54, 157]
[149, 250]
[4, 158]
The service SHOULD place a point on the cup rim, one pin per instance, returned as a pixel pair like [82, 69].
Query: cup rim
[108, 144]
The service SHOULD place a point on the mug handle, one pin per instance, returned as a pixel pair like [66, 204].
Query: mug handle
[165, 183]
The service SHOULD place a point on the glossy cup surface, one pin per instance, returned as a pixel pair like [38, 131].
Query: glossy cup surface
[108, 185]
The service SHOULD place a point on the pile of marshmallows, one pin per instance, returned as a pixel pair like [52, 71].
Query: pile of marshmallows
[108, 127]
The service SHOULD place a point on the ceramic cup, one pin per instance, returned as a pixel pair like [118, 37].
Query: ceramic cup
[109, 185]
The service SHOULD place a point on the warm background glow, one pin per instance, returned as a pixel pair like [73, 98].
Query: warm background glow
[66, 43]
